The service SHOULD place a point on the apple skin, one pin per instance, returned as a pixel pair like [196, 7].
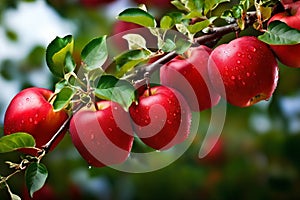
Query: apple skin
[30, 112]
[190, 77]
[103, 137]
[288, 54]
[246, 68]
[46, 193]
[162, 118]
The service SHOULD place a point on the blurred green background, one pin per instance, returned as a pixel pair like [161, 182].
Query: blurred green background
[256, 157]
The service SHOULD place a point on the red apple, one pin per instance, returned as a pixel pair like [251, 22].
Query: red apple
[190, 77]
[288, 54]
[29, 111]
[103, 137]
[46, 193]
[246, 68]
[161, 117]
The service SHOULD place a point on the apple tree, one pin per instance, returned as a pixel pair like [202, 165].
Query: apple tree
[137, 94]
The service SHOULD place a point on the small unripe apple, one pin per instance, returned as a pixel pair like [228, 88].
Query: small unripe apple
[161, 117]
[30, 112]
[102, 137]
[190, 77]
[288, 54]
[246, 68]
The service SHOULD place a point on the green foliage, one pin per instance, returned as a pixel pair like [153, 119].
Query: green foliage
[56, 54]
[16, 141]
[137, 16]
[120, 91]
[94, 53]
[279, 33]
[63, 98]
[35, 175]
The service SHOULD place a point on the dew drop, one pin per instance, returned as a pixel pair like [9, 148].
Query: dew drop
[169, 121]
[116, 108]
[92, 136]
[239, 77]
[238, 61]
[111, 117]
[136, 110]
[249, 56]
[36, 115]
[35, 122]
[174, 114]
[169, 101]
[232, 77]
[253, 49]
[30, 119]
[239, 54]
[90, 167]
[184, 72]
[110, 129]
[248, 74]
[22, 121]
[243, 82]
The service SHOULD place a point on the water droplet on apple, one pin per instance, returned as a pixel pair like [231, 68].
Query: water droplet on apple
[36, 115]
[248, 74]
[169, 121]
[92, 136]
[239, 54]
[232, 77]
[35, 122]
[30, 119]
[253, 49]
[22, 121]
[110, 129]
[238, 61]
[239, 77]
[116, 108]
[243, 82]
[249, 56]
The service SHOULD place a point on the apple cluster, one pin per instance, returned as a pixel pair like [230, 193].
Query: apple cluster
[243, 72]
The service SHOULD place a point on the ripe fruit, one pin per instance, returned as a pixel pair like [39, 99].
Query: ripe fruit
[190, 77]
[288, 54]
[246, 68]
[103, 137]
[162, 118]
[29, 111]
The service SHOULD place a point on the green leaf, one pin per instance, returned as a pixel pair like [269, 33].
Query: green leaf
[35, 176]
[56, 54]
[95, 53]
[199, 26]
[113, 89]
[137, 16]
[279, 33]
[69, 63]
[170, 19]
[16, 141]
[212, 4]
[168, 45]
[128, 60]
[179, 5]
[63, 98]
[182, 45]
[135, 41]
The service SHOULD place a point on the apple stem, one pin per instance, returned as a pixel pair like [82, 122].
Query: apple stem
[147, 80]
[48, 145]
